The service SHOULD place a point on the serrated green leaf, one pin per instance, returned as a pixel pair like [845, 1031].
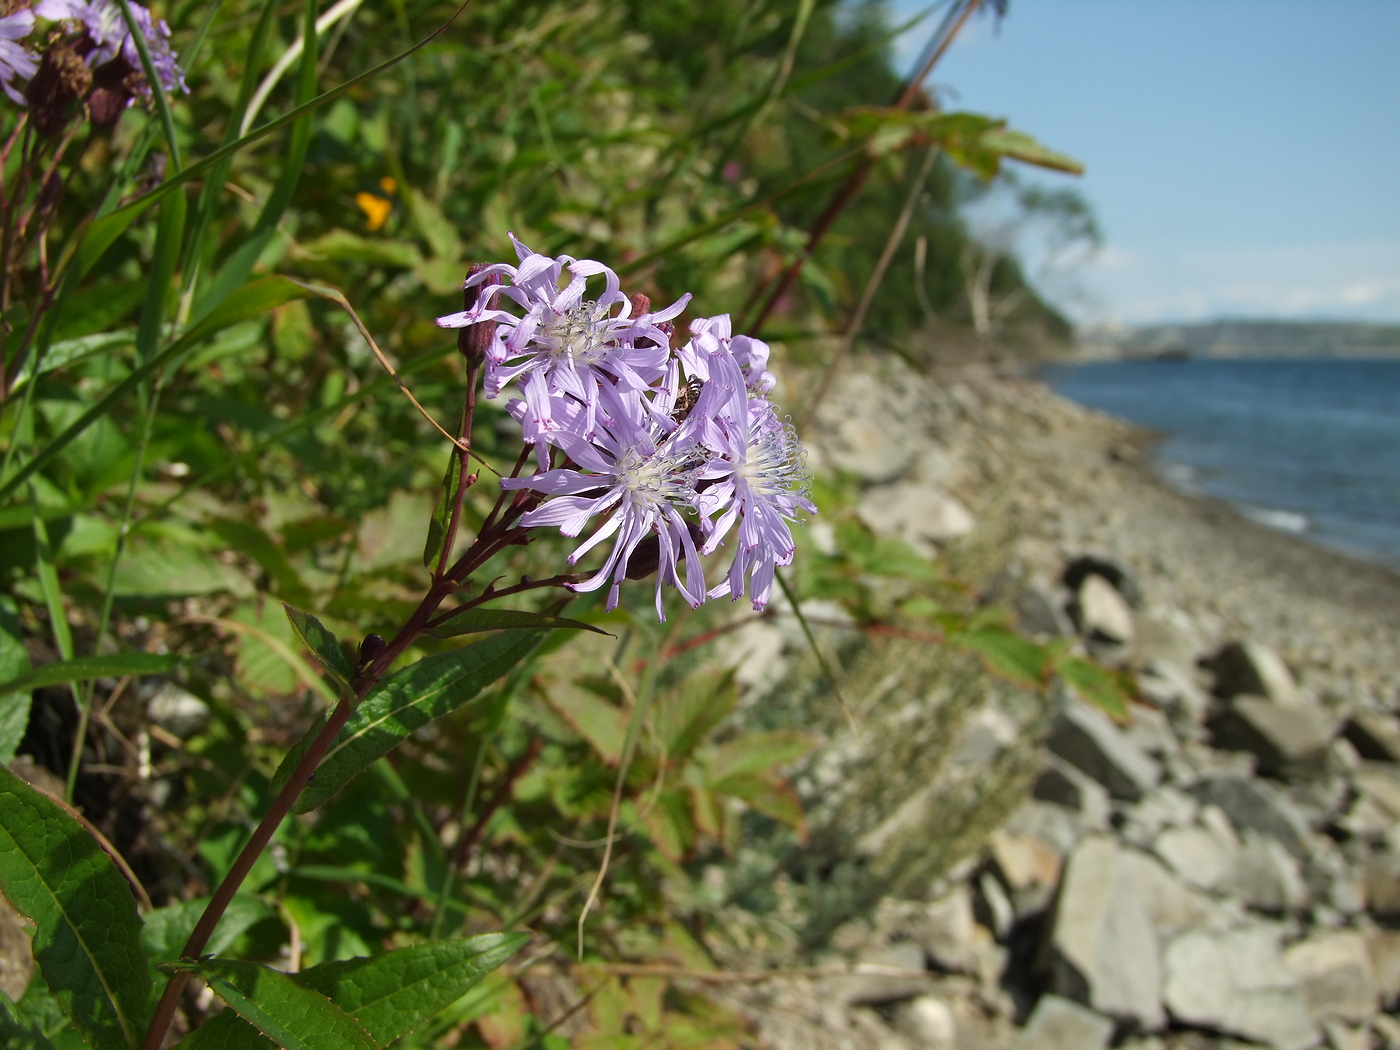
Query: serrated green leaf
[683, 716]
[1019, 146]
[38, 1006]
[323, 644]
[1095, 684]
[757, 753]
[769, 797]
[226, 1031]
[83, 668]
[18, 1032]
[88, 941]
[409, 700]
[1010, 655]
[291, 1015]
[442, 512]
[602, 724]
[474, 621]
[14, 661]
[165, 930]
[393, 993]
[670, 824]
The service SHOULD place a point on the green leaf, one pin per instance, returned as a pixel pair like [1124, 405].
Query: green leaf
[226, 1031]
[393, 993]
[344, 246]
[757, 753]
[83, 668]
[323, 644]
[442, 513]
[409, 700]
[1093, 683]
[18, 1032]
[685, 715]
[252, 300]
[769, 797]
[294, 755]
[602, 724]
[165, 930]
[14, 661]
[473, 621]
[1019, 146]
[88, 941]
[1009, 655]
[253, 541]
[290, 1014]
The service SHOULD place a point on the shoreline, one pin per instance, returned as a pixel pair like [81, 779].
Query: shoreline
[1076, 481]
[1090, 487]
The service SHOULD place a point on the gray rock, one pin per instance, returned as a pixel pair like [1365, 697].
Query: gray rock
[1342, 1036]
[993, 907]
[1384, 948]
[1165, 808]
[1334, 972]
[1380, 876]
[1265, 876]
[1123, 580]
[922, 516]
[1060, 1024]
[1086, 738]
[178, 711]
[1255, 669]
[861, 445]
[1064, 785]
[1101, 612]
[1380, 782]
[1038, 612]
[1288, 741]
[1236, 982]
[1374, 736]
[885, 975]
[1201, 856]
[1256, 805]
[1029, 867]
[1151, 730]
[1103, 948]
[1174, 689]
[1165, 636]
[948, 933]
[1387, 1031]
[928, 1022]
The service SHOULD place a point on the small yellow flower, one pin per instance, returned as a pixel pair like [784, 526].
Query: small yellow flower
[375, 207]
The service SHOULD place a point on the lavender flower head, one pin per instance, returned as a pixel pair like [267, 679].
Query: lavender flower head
[666, 452]
[105, 38]
[16, 62]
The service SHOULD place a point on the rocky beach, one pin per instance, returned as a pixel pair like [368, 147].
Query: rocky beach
[1220, 869]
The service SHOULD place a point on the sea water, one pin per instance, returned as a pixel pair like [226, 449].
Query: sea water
[1307, 446]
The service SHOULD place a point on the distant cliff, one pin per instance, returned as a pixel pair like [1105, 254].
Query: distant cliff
[1245, 339]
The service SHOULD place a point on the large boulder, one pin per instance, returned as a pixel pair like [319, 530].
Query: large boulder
[923, 516]
[885, 974]
[1251, 668]
[1115, 907]
[1087, 739]
[1290, 742]
[1236, 982]
[1201, 856]
[1060, 1024]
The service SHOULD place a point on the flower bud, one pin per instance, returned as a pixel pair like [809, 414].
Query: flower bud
[474, 341]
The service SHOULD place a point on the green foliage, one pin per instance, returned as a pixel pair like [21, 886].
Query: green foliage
[192, 434]
[290, 1014]
[87, 938]
[433, 687]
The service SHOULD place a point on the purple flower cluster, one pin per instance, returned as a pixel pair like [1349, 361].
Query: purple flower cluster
[667, 450]
[105, 38]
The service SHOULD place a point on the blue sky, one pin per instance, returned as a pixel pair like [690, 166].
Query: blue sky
[1243, 156]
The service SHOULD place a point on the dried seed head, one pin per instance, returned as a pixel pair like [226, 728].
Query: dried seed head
[62, 78]
[115, 84]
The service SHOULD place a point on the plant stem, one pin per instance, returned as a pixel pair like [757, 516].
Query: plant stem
[487, 545]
